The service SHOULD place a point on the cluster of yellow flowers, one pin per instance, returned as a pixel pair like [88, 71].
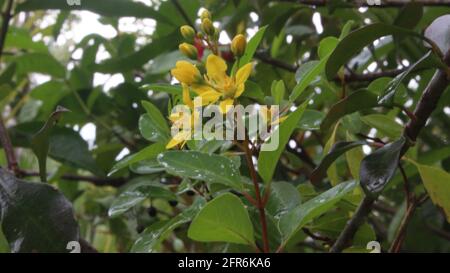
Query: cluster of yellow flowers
[214, 86]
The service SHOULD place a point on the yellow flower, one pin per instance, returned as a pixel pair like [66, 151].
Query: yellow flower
[185, 72]
[178, 120]
[218, 85]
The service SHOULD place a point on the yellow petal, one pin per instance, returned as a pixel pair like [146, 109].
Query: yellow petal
[201, 88]
[216, 68]
[186, 72]
[239, 90]
[243, 73]
[210, 97]
[224, 105]
[187, 97]
[181, 137]
[279, 120]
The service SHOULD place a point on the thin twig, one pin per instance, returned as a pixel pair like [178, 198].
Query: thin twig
[260, 207]
[4, 136]
[98, 181]
[365, 3]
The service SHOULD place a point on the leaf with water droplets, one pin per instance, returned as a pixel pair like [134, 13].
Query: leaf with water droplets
[35, 217]
[129, 199]
[294, 220]
[156, 233]
[211, 168]
[379, 167]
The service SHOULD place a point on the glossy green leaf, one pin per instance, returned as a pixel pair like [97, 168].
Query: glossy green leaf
[40, 142]
[311, 120]
[437, 184]
[388, 95]
[338, 149]
[384, 124]
[355, 41]
[161, 87]
[277, 91]
[354, 158]
[356, 101]
[35, 217]
[268, 157]
[252, 45]
[294, 220]
[309, 71]
[283, 198]
[155, 234]
[153, 126]
[224, 219]
[211, 168]
[148, 153]
[378, 168]
[136, 196]
[409, 16]
[114, 8]
[41, 63]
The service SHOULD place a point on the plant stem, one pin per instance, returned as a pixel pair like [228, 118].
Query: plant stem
[401, 233]
[4, 137]
[260, 204]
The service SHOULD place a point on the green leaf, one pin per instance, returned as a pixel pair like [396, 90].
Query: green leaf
[139, 58]
[114, 8]
[388, 95]
[40, 142]
[148, 153]
[147, 166]
[293, 221]
[252, 45]
[41, 63]
[439, 32]
[410, 15]
[278, 89]
[356, 101]
[338, 149]
[136, 196]
[68, 147]
[378, 168]
[384, 124]
[437, 184]
[311, 120]
[268, 157]
[224, 219]
[35, 217]
[355, 41]
[161, 87]
[253, 91]
[153, 125]
[309, 71]
[354, 158]
[283, 198]
[155, 234]
[211, 168]
[20, 38]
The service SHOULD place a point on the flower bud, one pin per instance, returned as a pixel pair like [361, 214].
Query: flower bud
[187, 32]
[188, 50]
[238, 45]
[207, 27]
[205, 15]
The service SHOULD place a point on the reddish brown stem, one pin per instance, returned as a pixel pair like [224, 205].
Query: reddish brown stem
[260, 205]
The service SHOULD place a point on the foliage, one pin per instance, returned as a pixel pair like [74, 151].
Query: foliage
[97, 161]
